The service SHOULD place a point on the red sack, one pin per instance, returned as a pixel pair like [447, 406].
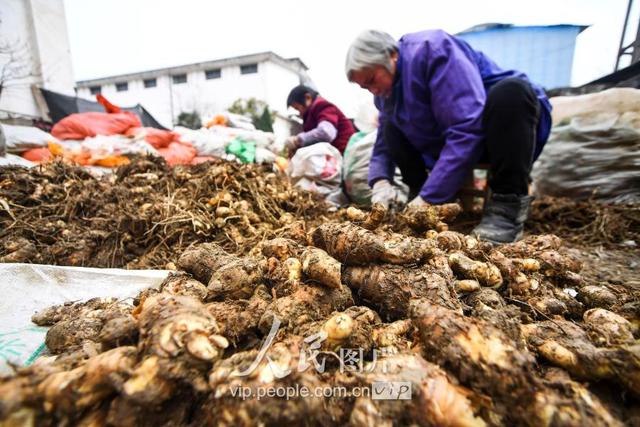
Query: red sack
[201, 159]
[108, 107]
[158, 138]
[84, 125]
[37, 155]
[178, 153]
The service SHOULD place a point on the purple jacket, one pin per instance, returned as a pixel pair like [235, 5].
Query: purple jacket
[437, 101]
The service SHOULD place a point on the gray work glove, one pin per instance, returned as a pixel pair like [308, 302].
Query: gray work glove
[387, 195]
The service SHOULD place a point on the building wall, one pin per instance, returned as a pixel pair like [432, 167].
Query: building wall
[271, 84]
[281, 81]
[545, 54]
[37, 32]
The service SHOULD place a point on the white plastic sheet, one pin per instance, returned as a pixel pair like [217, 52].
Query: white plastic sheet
[18, 139]
[13, 160]
[28, 288]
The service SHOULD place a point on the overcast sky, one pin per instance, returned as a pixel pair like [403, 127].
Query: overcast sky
[122, 36]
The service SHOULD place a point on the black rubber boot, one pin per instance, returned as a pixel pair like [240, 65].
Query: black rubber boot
[503, 218]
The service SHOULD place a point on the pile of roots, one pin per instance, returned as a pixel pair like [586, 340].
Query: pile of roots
[143, 216]
[586, 222]
[480, 335]
[147, 214]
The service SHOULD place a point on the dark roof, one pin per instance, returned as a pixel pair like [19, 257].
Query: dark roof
[628, 73]
[60, 106]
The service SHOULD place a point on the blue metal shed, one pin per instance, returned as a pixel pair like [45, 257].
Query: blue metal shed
[544, 53]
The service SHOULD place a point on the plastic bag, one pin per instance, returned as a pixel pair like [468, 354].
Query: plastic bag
[37, 155]
[278, 146]
[107, 151]
[355, 171]
[115, 144]
[207, 142]
[158, 138]
[202, 159]
[594, 156]
[264, 156]
[243, 150]
[318, 168]
[178, 153]
[217, 120]
[18, 139]
[614, 100]
[281, 164]
[84, 125]
[239, 121]
[108, 107]
[231, 120]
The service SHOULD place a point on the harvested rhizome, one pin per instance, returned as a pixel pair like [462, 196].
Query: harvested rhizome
[281, 313]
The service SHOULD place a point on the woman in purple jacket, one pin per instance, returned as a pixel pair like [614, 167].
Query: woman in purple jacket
[443, 108]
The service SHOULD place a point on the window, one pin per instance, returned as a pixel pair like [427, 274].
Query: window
[150, 83]
[94, 90]
[249, 69]
[179, 78]
[213, 74]
[121, 87]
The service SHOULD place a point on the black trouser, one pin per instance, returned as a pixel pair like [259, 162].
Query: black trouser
[510, 120]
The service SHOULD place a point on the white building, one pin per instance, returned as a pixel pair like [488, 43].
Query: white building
[34, 51]
[207, 87]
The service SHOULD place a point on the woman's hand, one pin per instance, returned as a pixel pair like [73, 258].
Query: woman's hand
[386, 194]
[291, 145]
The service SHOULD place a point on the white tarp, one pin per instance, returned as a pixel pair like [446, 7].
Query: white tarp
[18, 139]
[28, 288]
[13, 160]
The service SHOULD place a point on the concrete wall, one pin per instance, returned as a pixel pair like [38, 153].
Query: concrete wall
[280, 82]
[545, 54]
[36, 32]
[167, 100]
